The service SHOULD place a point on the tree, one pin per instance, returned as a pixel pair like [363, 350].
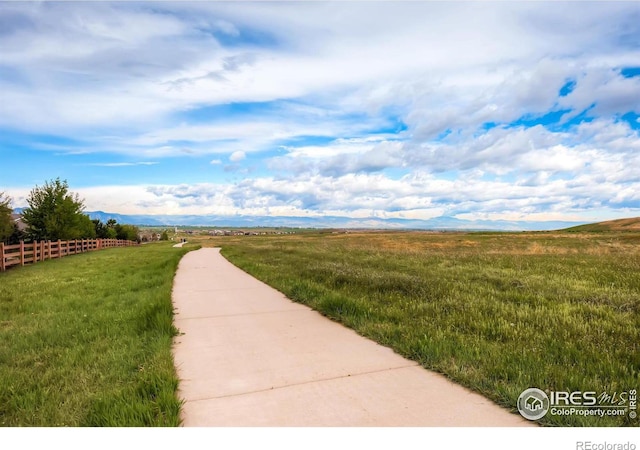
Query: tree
[86, 230]
[111, 229]
[6, 222]
[100, 228]
[16, 236]
[55, 213]
[127, 232]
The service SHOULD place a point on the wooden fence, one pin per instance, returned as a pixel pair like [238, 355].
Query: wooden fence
[30, 253]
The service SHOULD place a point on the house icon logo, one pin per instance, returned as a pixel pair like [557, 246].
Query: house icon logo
[533, 404]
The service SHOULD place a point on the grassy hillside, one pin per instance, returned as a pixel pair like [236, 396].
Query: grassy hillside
[619, 225]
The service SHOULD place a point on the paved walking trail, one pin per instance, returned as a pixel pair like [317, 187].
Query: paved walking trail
[248, 356]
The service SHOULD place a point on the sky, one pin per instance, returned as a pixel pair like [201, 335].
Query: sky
[523, 111]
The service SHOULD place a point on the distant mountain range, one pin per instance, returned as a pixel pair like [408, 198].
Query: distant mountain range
[238, 221]
[437, 223]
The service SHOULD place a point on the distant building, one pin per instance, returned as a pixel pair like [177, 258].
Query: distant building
[148, 236]
[17, 219]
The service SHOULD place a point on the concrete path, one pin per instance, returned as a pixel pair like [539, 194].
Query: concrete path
[248, 356]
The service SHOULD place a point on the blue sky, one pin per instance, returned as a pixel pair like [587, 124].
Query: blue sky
[497, 110]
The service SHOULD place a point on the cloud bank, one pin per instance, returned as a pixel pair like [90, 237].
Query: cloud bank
[385, 109]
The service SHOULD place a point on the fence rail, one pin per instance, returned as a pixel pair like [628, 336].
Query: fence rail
[32, 252]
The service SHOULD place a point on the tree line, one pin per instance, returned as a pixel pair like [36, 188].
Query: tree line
[56, 213]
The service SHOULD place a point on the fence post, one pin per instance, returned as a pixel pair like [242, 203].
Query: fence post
[1, 256]
[22, 253]
[59, 248]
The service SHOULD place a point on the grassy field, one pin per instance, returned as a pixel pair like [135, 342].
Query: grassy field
[86, 340]
[498, 313]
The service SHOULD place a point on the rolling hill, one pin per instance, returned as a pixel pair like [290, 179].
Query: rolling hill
[631, 224]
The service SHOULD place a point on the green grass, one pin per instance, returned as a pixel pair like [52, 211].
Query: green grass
[498, 313]
[86, 340]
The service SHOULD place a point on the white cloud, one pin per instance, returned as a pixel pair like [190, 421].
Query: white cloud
[237, 156]
[122, 57]
[417, 195]
[604, 91]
